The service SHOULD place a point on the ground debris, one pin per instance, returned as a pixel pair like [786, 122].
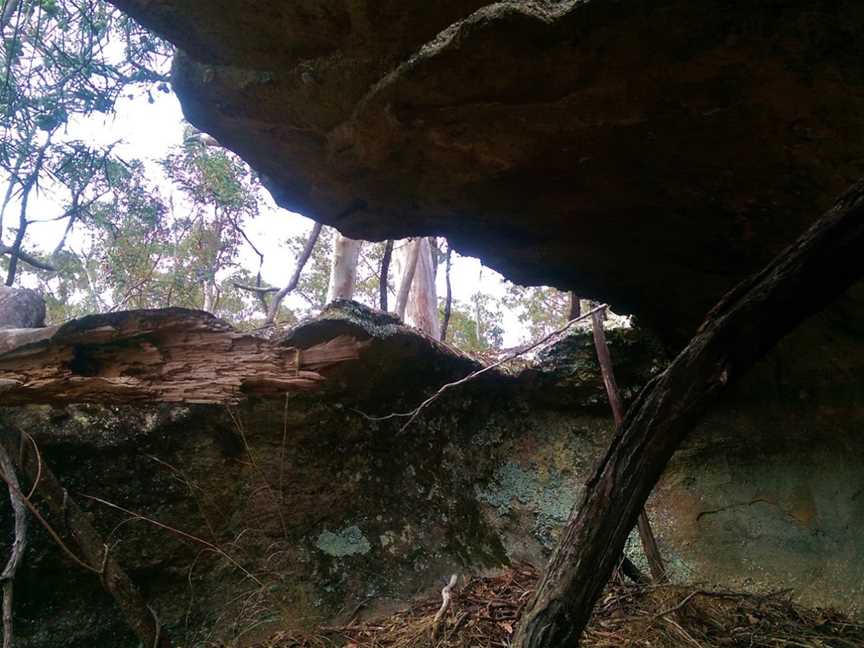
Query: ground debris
[484, 613]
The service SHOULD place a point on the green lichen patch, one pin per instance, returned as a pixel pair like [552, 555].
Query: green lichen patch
[349, 541]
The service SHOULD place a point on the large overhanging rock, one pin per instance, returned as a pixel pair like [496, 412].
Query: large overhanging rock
[650, 153]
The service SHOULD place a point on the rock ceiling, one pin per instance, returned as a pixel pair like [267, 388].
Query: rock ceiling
[647, 153]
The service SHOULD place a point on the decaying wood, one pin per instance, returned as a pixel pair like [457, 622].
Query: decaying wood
[646, 535]
[73, 529]
[747, 323]
[170, 355]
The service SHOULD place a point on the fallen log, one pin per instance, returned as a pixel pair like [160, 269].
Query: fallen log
[170, 355]
[747, 322]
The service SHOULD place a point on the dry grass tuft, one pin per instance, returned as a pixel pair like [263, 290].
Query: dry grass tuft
[485, 611]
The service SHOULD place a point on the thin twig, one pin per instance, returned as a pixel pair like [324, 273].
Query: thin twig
[413, 414]
[177, 532]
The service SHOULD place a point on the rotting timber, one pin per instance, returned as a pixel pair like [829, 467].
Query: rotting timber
[171, 356]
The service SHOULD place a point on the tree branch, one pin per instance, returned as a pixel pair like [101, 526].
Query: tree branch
[295, 278]
[29, 259]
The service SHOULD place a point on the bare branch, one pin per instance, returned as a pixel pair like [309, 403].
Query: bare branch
[413, 414]
[29, 259]
[295, 279]
[266, 290]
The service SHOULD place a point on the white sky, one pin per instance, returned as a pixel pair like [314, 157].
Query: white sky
[148, 131]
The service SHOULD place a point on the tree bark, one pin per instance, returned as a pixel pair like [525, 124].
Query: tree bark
[343, 271]
[422, 308]
[74, 530]
[408, 252]
[384, 276]
[170, 355]
[746, 323]
[646, 535]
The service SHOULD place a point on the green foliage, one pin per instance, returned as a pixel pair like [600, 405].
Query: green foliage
[64, 60]
[475, 327]
[540, 309]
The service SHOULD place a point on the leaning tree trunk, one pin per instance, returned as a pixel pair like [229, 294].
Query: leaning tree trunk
[646, 534]
[746, 323]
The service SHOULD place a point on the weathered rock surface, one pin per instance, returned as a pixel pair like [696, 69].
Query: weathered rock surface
[646, 153]
[330, 510]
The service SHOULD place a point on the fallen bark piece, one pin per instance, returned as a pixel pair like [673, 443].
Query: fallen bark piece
[170, 355]
[749, 321]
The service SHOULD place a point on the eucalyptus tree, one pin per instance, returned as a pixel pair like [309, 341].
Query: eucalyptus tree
[62, 61]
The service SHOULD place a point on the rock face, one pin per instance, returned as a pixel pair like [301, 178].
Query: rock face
[328, 509]
[21, 308]
[646, 153]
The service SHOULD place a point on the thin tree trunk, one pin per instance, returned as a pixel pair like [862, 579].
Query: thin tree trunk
[295, 278]
[410, 255]
[448, 304]
[574, 308]
[19, 546]
[343, 272]
[646, 535]
[384, 276]
[74, 530]
[745, 325]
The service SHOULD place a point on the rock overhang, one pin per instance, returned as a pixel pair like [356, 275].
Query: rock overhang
[649, 154]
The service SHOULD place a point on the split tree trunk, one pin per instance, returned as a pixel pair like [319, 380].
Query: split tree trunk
[171, 355]
[746, 323]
